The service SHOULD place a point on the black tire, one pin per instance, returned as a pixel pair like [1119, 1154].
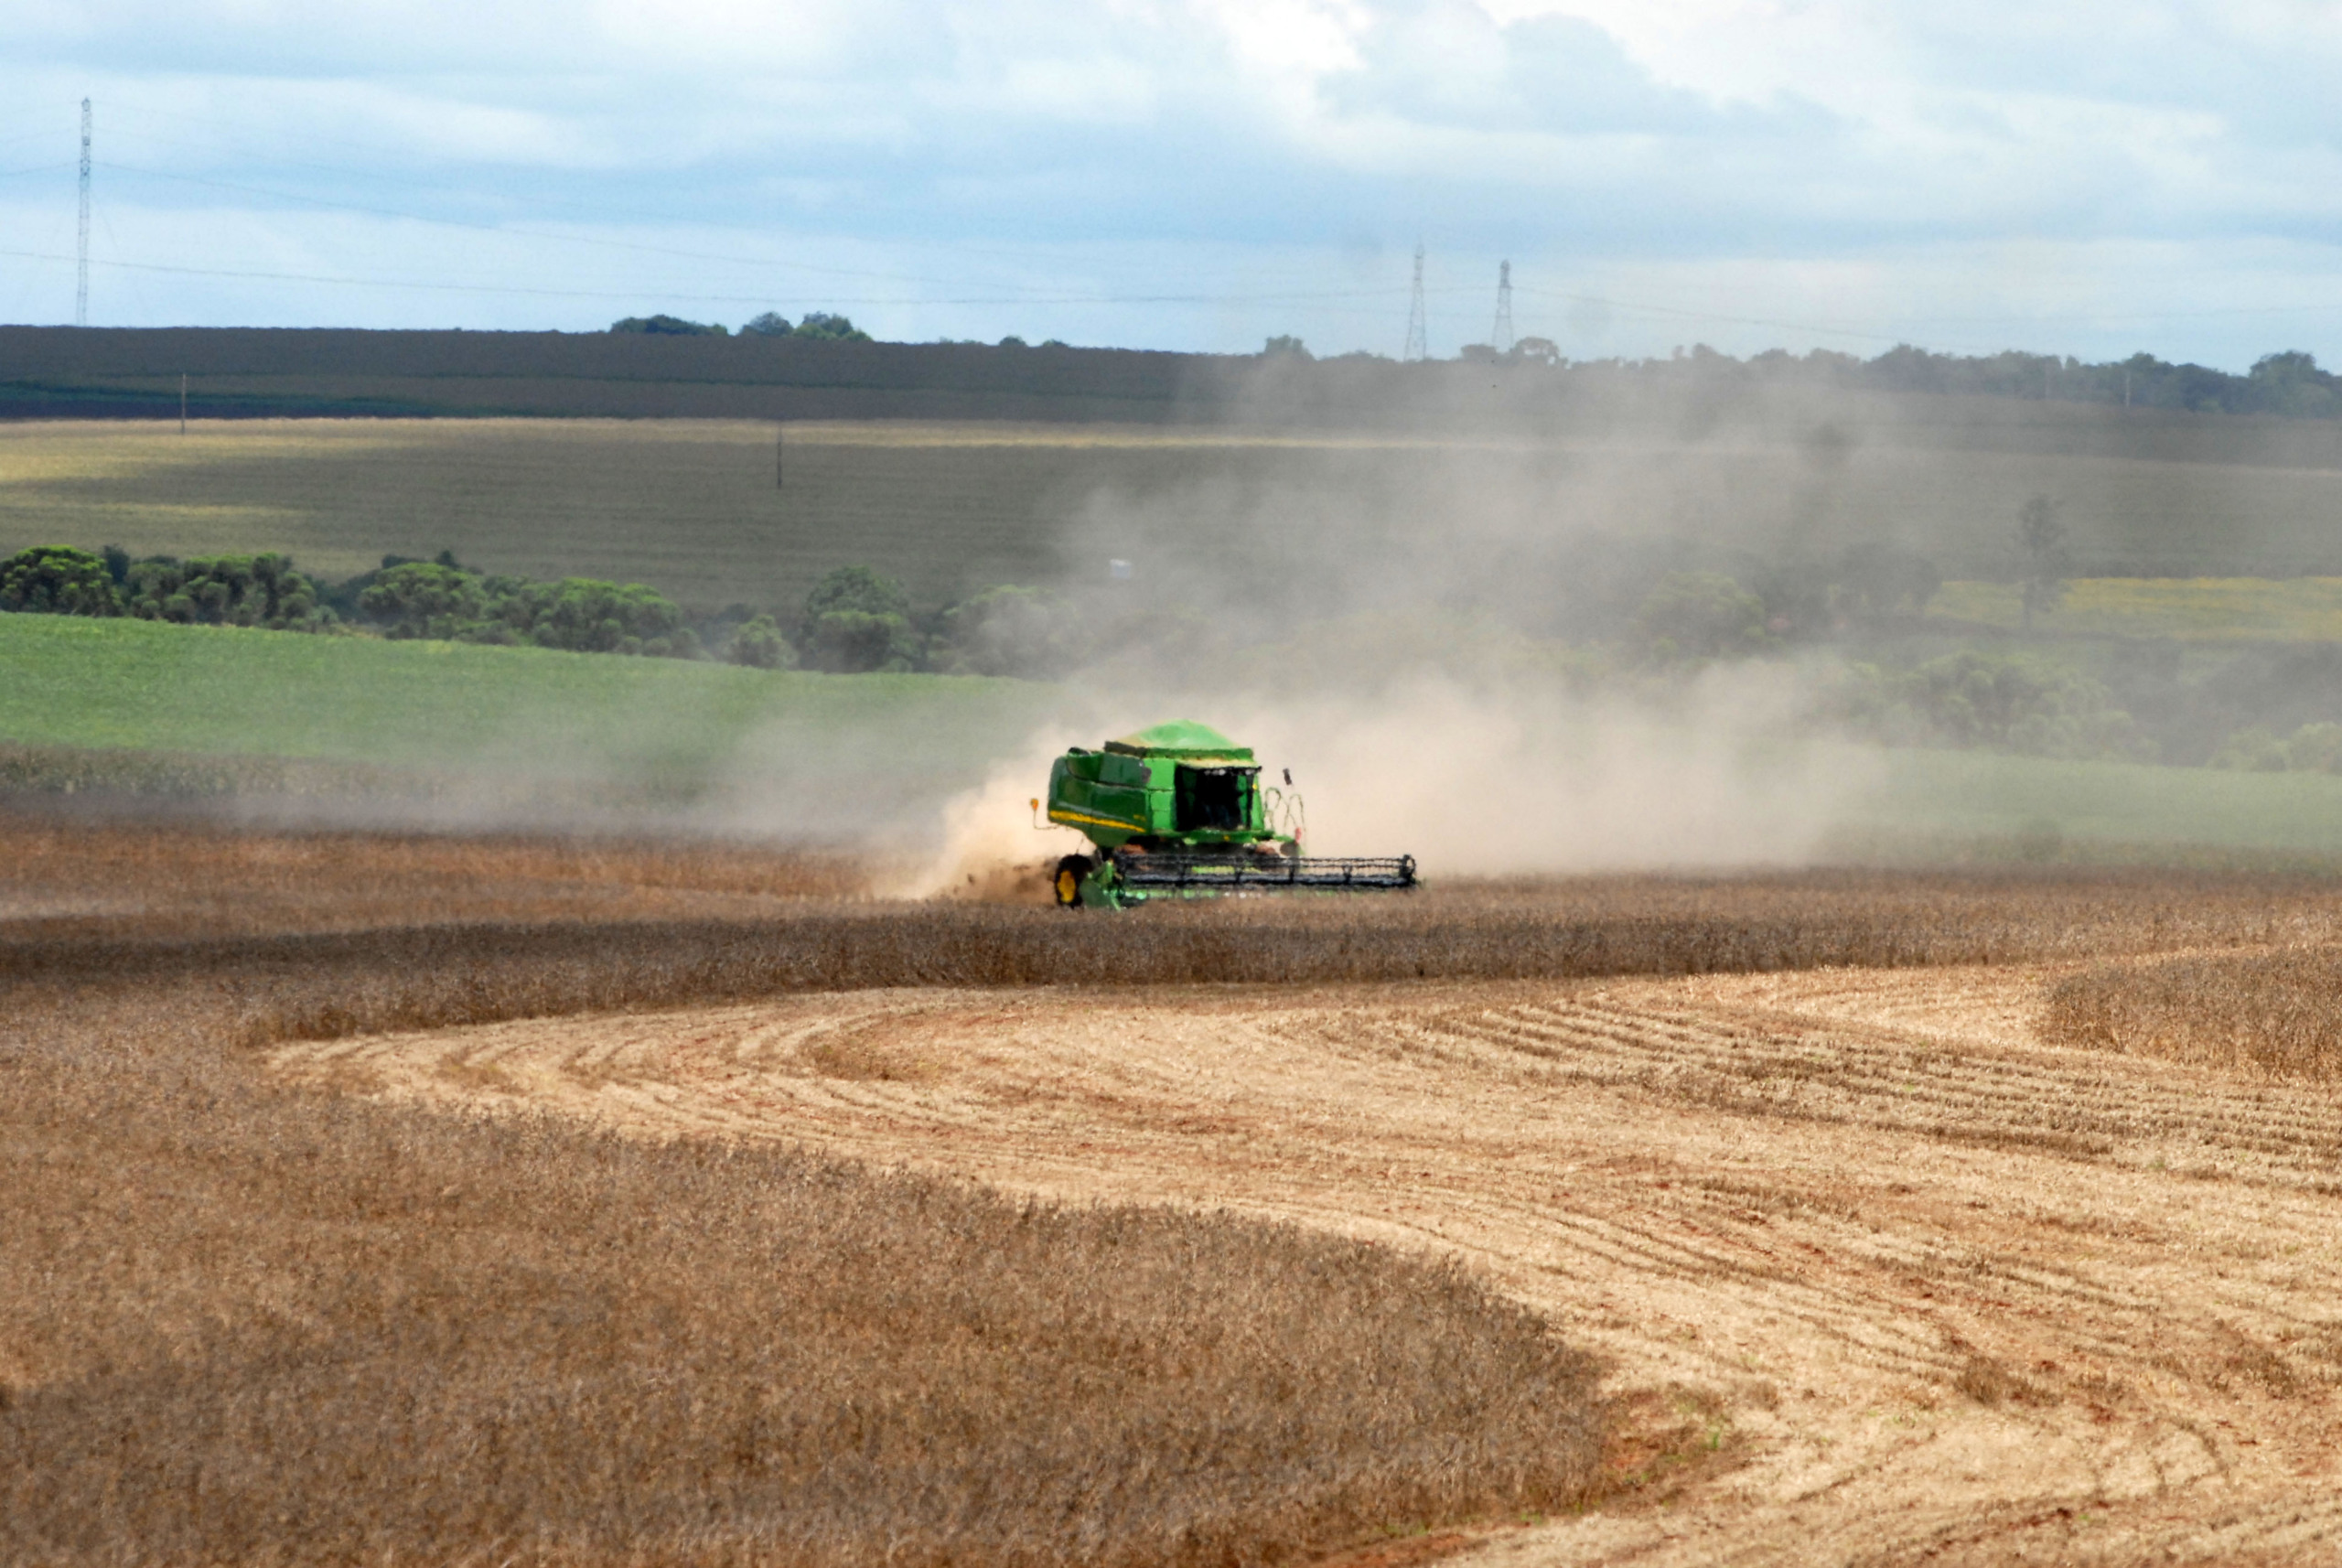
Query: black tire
[1066, 881]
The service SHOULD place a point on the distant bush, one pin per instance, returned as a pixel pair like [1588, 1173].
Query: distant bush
[760, 644]
[669, 327]
[423, 599]
[584, 615]
[1877, 581]
[821, 324]
[1699, 614]
[2313, 749]
[2015, 702]
[56, 579]
[262, 591]
[857, 622]
[579, 615]
[818, 326]
[1007, 631]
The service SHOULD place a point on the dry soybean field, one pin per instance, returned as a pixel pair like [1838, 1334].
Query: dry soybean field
[1859, 1217]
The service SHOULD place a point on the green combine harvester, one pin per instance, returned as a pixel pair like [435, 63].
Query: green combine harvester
[1179, 808]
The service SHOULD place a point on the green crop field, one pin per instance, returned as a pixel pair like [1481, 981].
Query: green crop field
[693, 509]
[577, 723]
[2091, 810]
[813, 753]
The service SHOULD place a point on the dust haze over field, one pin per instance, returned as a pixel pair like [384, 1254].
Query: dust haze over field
[1390, 612]
[1475, 779]
[1398, 646]
[1387, 607]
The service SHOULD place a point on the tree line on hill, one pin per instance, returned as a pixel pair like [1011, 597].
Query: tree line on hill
[854, 621]
[818, 326]
[2289, 382]
[825, 366]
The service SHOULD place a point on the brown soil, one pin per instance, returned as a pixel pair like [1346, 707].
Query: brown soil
[1906, 1283]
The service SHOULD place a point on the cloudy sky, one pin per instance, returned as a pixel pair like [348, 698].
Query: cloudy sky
[2087, 177]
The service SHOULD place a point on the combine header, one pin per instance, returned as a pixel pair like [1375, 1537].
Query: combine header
[1180, 808]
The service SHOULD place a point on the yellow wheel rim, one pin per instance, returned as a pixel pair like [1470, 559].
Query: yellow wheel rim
[1068, 886]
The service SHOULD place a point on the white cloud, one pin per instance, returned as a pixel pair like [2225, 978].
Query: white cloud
[1873, 163]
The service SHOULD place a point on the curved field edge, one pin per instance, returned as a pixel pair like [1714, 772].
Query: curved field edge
[143, 1083]
[245, 1323]
[1928, 1286]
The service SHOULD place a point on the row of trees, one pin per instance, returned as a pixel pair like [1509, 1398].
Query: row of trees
[402, 599]
[818, 326]
[219, 590]
[854, 621]
[1690, 616]
[2289, 382]
[857, 620]
[443, 601]
[1870, 586]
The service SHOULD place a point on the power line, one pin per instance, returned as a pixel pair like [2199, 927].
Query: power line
[637, 294]
[81, 277]
[560, 237]
[598, 210]
[564, 238]
[1418, 335]
[517, 233]
[2042, 321]
[1709, 316]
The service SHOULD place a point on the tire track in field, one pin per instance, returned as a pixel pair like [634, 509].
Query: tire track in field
[1942, 1291]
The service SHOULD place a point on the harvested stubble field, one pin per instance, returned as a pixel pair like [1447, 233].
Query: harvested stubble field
[660, 1233]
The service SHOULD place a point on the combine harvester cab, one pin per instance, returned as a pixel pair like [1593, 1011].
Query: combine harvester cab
[1179, 808]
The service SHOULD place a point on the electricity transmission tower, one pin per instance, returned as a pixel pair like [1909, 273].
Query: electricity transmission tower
[1500, 334]
[1418, 347]
[81, 277]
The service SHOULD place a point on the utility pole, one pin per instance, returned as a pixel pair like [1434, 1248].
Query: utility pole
[182, 403]
[779, 451]
[1418, 346]
[82, 277]
[1500, 334]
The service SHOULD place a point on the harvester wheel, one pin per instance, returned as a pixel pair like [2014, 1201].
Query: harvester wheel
[1072, 872]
